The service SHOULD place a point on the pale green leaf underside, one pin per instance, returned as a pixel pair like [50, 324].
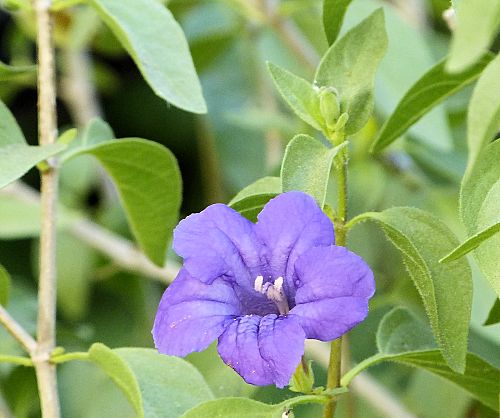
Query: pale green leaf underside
[116, 368]
[445, 289]
[234, 408]
[477, 23]
[350, 65]
[152, 37]
[18, 158]
[156, 385]
[306, 166]
[333, 16]
[10, 132]
[430, 90]
[402, 338]
[248, 408]
[483, 118]
[148, 180]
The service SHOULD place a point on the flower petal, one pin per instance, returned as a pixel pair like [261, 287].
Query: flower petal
[218, 242]
[328, 319]
[287, 226]
[192, 314]
[333, 287]
[263, 350]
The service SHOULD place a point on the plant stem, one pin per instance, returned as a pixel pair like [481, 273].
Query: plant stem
[47, 131]
[334, 367]
[17, 331]
[22, 361]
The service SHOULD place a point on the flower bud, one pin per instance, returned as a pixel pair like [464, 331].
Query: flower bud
[329, 106]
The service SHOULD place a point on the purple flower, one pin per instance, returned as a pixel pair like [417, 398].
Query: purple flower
[262, 288]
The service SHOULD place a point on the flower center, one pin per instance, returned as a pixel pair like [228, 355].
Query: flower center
[273, 291]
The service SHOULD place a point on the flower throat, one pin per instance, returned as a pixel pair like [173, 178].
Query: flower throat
[274, 292]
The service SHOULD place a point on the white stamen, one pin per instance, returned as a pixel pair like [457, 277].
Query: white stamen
[258, 284]
[273, 291]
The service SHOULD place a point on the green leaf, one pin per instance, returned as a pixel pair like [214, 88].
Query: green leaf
[299, 94]
[333, 16]
[483, 118]
[399, 331]
[18, 159]
[431, 89]
[306, 166]
[9, 72]
[250, 200]
[479, 197]
[10, 132]
[234, 408]
[156, 385]
[155, 41]
[472, 243]
[148, 180]
[265, 185]
[445, 289]
[477, 23]
[402, 338]
[95, 132]
[248, 408]
[16, 155]
[4, 286]
[349, 66]
[251, 206]
[494, 315]
[20, 218]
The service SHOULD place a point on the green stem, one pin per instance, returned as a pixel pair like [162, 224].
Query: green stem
[23, 361]
[334, 367]
[63, 358]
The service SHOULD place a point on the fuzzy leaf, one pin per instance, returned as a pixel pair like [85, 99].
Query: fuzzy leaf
[403, 339]
[445, 289]
[349, 66]
[155, 41]
[299, 94]
[157, 386]
[483, 118]
[306, 166]
[479, 197]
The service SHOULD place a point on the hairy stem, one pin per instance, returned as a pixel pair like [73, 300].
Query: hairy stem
[334, 367]
[47, 131]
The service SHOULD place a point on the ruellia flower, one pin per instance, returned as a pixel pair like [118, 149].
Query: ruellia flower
[262, 288]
